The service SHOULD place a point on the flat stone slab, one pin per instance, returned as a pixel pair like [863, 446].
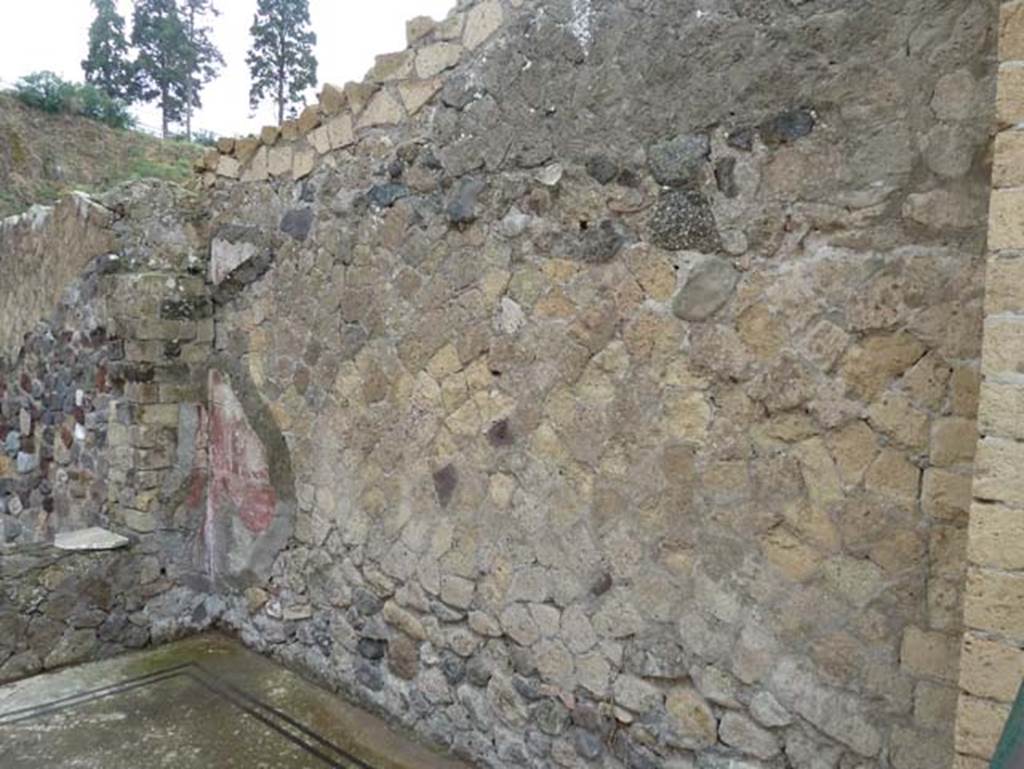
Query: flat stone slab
[196, 704]
[90, 539]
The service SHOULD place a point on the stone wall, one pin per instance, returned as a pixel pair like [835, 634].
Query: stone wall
[59, 608]
[625, 384]
[41, 253]
[92, 405]
[992, 663]
[593, 385]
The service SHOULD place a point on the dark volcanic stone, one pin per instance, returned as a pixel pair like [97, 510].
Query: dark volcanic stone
[500, 434]
[372, 648]
[602, 243]
[741, 139]
[386, 195]
[587, 745]
[370, 676]
[551, 717]
[677, 162]
[365, 602]
[461, 208]
[454, 669]
[787, 127]
[297, 223]
[478, 670]
[445, 481]
[725, 176]
[602, 168]
[683, 219]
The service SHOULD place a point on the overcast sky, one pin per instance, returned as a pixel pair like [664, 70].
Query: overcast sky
[53, 34]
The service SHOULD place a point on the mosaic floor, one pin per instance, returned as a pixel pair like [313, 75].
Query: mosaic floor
[204, 702]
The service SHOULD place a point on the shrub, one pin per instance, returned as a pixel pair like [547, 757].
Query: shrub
[48, 92]
[45, 91]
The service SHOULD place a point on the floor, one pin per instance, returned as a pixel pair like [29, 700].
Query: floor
[204, 702]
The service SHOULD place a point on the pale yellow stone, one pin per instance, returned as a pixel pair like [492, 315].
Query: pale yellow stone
[454, 391]
[1006, 217]
[979, 724]
[997, 471]
[894, 415]
[964, 386]
[392, 66]
[320, 139]
[953, 441]
[228, 167]
[990, 669]
[992, 602]
[653, 270]
[309, 119]
[332, 99]
[996, 537]
[925, 653]
[1001, 410]
[339, 131]
[869, 366]
[444, 362]
[279, 160]
[1004, 284]
[258, 170]
[969, 762]
[926, 382]
[893, 475]
[556, 305]
[814, 525]
[819, 473]
[418, 28]
[269, 134]
[435, 59]
[1010, 95]
[303, 163]
[290, 130]
[1011, 31]
[687, 417]
[482, 21]
[854, 448]
[560, 270]
[1008, 163]
[501, 489]
[384, 109]
[245, 148]
[416, 93]
[762, 330]
[945, 495]
[795, 559]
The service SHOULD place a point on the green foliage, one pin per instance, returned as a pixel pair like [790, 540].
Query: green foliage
[108, 66]
[204, 138]
[48, 92]
[281, 61]
[159, 38]
[202, 59]
[175, 55]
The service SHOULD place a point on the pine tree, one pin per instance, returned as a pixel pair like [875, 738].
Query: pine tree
[107, 66]
[159, 36]
[281, 61]
[203, 59]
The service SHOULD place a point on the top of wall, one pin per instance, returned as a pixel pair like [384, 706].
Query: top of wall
[396, 89]
[41, 252]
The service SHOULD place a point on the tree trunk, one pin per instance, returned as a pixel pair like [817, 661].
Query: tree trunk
[163, 109]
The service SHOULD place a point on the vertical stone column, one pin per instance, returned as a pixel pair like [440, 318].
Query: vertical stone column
[992, 660]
